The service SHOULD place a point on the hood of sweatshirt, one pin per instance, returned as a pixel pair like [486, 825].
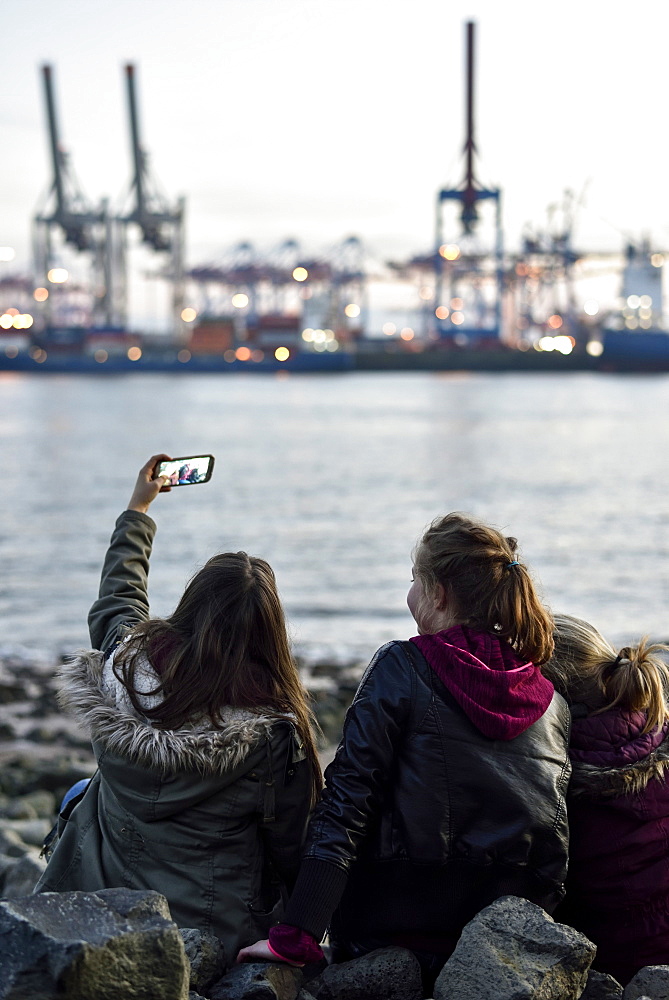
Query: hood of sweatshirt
[501, 693]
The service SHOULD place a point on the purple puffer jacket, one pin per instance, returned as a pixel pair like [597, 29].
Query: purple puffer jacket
[618, 881]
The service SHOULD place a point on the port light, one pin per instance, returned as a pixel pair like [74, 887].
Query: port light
[240, 300]
[300, 274]
[562, 343]
[282, 354]
[449, 251]
[58, 275]
[188, 314]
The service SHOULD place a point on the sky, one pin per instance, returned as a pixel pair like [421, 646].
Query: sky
[321, 119]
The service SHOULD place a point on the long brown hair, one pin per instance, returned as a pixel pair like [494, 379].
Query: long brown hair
[585, 667]
[224, 646]
[490, 588]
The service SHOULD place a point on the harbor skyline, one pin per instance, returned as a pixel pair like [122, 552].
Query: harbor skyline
[315, 121]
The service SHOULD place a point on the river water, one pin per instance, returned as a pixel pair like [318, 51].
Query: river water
[332, 478]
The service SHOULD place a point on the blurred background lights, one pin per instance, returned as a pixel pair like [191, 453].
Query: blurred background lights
[457, 303]
[449, 251]
[240, 300]
[442, 312]
[591, 307]
[426, 293]
[308, 335]
[645, 301]
[352, 310]
[184, 356]
[563, 344]
[389, 329]
[555, 321]
[282, 354]
[188, 314]
[57, 275]
[41, 294]
[594, 348]
[633, 301]
[300, 274]
[6, 321]
[657, 259]
[407, 333]
[243, 354]
[457, 318]
[7, 254]
[134, 353]
[101, 356]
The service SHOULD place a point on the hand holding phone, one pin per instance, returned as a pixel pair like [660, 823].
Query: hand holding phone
[186, 471]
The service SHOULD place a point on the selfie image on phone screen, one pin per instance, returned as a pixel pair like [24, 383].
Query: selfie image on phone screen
[187, 471]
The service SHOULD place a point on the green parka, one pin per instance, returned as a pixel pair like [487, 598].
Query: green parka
[214, 819]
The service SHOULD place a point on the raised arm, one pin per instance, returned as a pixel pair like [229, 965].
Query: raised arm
[123, 598]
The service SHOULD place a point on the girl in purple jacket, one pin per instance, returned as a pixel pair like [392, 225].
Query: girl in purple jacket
[618, 881]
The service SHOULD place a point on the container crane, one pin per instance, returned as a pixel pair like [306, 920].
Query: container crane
[83, 227]
[161, 226]
[457, 265]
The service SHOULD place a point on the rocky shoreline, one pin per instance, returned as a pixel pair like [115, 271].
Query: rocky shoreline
[75, 944]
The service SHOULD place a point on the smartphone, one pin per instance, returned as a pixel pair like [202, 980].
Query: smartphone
[186, 471]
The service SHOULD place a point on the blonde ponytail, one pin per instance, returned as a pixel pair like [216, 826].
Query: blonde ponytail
[586, 667]
[490, 588]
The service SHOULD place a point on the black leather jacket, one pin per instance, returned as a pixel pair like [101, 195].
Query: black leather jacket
[426, 820]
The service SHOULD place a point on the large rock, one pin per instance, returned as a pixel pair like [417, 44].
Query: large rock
[513, 950]
[107, 945]
[22, 877]
[387, 974]
[258, 981]
[206, 955]
[601, 986]
[653, 981]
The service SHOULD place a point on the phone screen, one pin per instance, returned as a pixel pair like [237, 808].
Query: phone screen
[187, 471]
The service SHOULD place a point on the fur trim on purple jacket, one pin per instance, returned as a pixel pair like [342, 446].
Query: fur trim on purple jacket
[618, 881]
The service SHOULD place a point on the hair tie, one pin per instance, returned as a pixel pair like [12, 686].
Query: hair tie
[514, 563]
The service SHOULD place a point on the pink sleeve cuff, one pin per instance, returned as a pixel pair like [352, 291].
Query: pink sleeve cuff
[295, 946]
[282, 958]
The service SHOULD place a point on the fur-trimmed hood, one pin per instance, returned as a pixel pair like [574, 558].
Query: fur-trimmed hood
[612, 756]
[90, 690]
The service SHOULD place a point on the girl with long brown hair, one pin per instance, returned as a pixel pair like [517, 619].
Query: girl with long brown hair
[448, 787]
[618, 882]
[207, 765]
